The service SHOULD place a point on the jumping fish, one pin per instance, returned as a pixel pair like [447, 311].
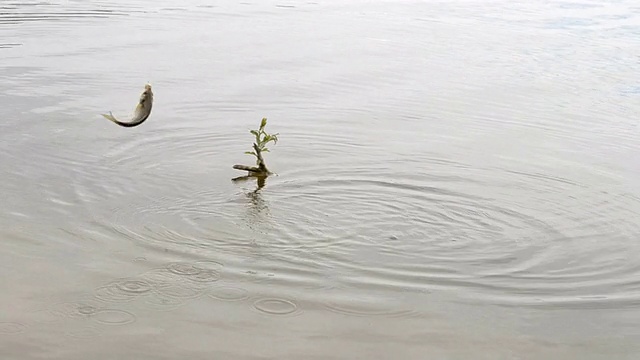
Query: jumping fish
[142, 112]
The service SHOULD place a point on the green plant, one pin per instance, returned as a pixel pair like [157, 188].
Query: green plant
[262, 138]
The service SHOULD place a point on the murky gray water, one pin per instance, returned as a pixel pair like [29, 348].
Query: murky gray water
[456, 179]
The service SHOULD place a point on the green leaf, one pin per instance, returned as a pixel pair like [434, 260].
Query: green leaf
[257, 135]
[261, 140]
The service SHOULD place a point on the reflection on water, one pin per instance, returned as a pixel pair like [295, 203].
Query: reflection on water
[455, 178]
[260, 182]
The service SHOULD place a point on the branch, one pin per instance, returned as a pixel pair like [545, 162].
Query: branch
[248, 168]
[261, 164]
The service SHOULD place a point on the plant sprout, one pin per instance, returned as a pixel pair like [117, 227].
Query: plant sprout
[262, 138]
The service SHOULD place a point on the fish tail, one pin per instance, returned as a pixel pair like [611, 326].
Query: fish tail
[113, 119]
[110, 117]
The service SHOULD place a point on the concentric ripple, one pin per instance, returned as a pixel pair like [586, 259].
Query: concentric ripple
[83, 332]
[367, 305]
[166, 205]
[123, 290]
[134, 286]
[11, 328]
[229, 293]
[205, 276]
[169, 282]
[71, 309]
[444, 235]
[161, 277]
[183, 269]
[276, 306]
[179, 291]
[161, 302]
[114, 317]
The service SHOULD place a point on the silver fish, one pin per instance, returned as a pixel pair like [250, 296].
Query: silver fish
[142, 112]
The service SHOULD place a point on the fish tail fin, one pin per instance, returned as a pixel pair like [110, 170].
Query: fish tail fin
[110, 117]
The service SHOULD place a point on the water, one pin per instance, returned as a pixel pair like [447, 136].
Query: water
[458, 179]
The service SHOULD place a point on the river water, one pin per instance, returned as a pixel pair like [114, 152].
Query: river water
[454, 180]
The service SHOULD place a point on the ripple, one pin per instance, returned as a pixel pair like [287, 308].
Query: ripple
[181, 291]
[122, 290]
[112, 293]
[74, 309]
[171, 219]
[229, 293]
[11, 328]
[84, 332]
[477, 237]
[184, 268]
[161, 277]
[383, 184]
[194, 143]
[170, 284]
[160, 302]
[275, 306]
[204, 271]
[23, 12]
[114, 317]
[134, 286]
[205, 276]
[418, 217]
[209, 265]
[366, 307]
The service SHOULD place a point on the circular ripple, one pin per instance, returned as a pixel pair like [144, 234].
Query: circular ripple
[205, 276]
[87, 310]
[161, 302]
[114, 317]
[184, 268]
[180, 291]
[10, 328]
[74, 309]
[85, 332]
[172, 221]
[209, 265]
[361, 307]
[457, 231]
[275, 306]
[134, 286]
[162, 277]
[229, 293]
[113, 293]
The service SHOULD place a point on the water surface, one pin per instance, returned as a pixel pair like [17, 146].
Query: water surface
[454, 180]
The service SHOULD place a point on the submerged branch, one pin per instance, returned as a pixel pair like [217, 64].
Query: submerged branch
[252, 169]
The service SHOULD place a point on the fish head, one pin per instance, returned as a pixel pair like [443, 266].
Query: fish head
[147, 95]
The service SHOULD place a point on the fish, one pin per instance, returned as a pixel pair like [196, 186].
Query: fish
[142, 112]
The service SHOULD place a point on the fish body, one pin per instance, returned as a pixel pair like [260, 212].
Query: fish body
[142, 112]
